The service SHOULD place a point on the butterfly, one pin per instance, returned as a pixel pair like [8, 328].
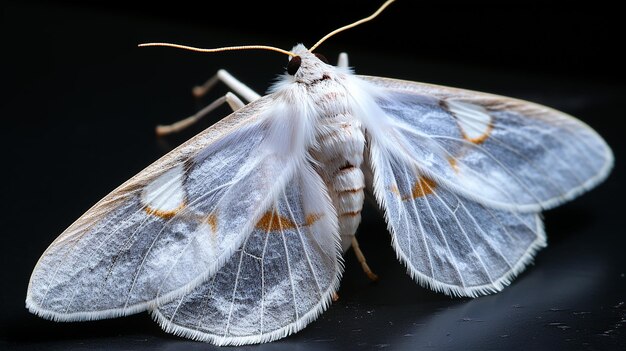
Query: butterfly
[237, 235]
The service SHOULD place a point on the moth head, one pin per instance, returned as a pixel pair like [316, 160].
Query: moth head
[308, 67]
[295, 62]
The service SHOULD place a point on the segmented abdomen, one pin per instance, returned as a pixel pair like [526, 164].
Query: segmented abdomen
[340, 153]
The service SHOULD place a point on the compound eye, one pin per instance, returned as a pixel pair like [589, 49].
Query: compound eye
[293, 65]
[321, 57]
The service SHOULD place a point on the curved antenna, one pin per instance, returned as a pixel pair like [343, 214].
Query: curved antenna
[368, 18]
[226, 48]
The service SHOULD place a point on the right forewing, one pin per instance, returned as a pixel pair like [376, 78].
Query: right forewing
[502, 152]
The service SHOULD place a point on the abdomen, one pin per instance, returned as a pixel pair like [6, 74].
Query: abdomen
[341, 142]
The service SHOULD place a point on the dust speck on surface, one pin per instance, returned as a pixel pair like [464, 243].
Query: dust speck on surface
[467, 319]
[556, 309]
[559, 325]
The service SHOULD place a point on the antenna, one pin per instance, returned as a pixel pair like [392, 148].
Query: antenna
[272, 48]
[369, 18]
[226, 48]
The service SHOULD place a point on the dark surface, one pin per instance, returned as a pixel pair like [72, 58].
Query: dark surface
[79, 102]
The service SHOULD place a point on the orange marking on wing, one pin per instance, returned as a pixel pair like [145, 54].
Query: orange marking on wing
[481, 139]
[453, 163]
[394, 189]
[212, 221]
[164, 214]
[271, 222]
[311, 218]
[424, 186]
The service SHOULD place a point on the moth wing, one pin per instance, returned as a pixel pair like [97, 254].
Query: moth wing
[280, 279]
[168, 228]
[502, 152]
[449, 243]
[462, 176]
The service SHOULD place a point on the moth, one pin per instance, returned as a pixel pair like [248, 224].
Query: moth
[237, 236]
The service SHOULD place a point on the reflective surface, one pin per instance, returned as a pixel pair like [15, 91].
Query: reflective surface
[78, 113]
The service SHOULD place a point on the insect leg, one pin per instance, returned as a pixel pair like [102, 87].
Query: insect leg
[222, 75]
[361, 258]
[233, 101]
[342, 61]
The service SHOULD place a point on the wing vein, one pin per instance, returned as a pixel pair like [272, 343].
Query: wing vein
[267, 235]
[304, 249]
[469, 241]
[495, 248]
[421, 229]
[180, 302]
[293, 289]
[236, 285]
[206, 302]
[452, 258]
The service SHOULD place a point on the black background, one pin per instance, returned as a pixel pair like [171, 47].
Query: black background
[79, 102]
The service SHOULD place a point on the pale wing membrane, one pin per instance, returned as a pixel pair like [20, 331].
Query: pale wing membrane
[502, 152]
[280, 279]
[167, 229]
[449, 243]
